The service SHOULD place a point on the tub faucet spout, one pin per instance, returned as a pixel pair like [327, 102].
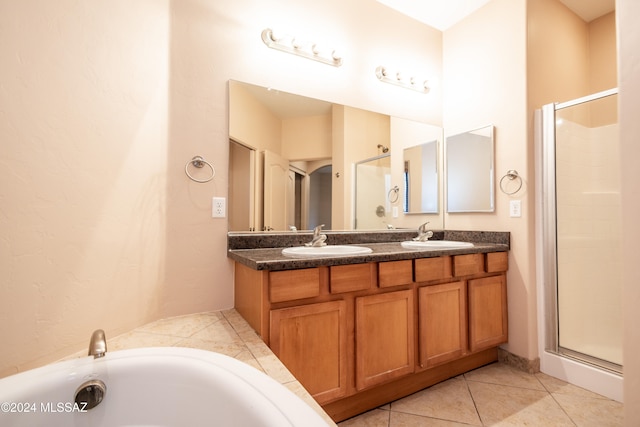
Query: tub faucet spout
[98, 344]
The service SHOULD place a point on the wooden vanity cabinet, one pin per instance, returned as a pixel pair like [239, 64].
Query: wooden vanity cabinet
[357, 336]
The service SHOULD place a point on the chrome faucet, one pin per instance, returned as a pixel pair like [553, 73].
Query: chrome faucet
[98, 344]
[318, 239]
[423, 233]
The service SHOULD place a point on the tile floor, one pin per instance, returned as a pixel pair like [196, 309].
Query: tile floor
[496, 395]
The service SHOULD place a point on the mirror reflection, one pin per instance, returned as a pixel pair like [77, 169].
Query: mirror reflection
[421, 178]
[292, 161]
[373, 185]
[469, 171]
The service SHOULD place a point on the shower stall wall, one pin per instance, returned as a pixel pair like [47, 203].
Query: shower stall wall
[580, 288]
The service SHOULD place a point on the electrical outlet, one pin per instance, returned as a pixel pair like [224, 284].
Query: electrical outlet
[219, 209]
[515, 209]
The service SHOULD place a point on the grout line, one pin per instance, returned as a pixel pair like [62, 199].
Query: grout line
[562, 408]
[466, 382]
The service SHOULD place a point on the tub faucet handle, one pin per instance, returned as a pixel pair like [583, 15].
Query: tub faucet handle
[98, 344]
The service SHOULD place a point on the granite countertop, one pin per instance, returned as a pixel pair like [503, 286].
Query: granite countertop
[254, 252]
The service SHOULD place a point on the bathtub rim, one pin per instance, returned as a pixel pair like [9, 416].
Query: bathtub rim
[273, 391]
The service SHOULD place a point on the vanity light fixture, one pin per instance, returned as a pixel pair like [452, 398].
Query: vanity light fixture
[307, 50]
[397, 79]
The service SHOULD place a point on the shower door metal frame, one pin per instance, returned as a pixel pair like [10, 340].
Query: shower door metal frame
[550, 236]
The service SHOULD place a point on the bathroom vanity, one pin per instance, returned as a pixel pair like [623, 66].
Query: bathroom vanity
[360, 331]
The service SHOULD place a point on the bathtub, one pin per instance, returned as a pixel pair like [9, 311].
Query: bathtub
[161, 386]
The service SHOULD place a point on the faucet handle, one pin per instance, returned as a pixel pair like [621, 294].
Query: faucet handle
[423, 234]
[318, 229]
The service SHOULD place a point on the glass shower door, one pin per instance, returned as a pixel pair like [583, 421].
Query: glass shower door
[587, 185]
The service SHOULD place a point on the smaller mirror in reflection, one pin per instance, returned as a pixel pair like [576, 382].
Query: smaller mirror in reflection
[421, 178]
[470, 175]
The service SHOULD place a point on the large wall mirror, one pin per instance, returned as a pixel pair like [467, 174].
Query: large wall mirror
[470, 171]
[293, 163]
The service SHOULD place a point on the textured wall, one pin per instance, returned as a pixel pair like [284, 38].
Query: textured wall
[102, 103]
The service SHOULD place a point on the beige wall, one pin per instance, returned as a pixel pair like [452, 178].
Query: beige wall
[108, 102]
[485, 83]
[628, 33]
[103, 104]
[86, 201]
[603, 69]
[251, 123]
[307, 138]
[558, 54]
[574, 60]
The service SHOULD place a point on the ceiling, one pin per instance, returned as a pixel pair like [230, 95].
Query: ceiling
[442, 14]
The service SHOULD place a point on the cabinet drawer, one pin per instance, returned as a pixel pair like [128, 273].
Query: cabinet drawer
[497, 261]
[294, 284]
[395, 273]
[433, 268]
[349, 278]
[464, 265]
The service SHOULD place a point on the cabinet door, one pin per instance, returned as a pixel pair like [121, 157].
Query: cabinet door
[442, 317]
[384, 337]
[311, 341]
[487, 312]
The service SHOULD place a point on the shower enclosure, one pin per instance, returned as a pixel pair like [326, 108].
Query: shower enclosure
[372, 185]
[579, 222]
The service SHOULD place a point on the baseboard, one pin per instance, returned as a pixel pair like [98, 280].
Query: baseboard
[519, 362]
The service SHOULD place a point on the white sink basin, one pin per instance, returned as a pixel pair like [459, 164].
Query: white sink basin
[329, 250]
[436, 244]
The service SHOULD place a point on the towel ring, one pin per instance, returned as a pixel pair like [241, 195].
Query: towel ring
[396, 192]
[199, 162]
[511, 174]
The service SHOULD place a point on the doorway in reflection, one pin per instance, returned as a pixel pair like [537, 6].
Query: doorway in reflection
[320, 197]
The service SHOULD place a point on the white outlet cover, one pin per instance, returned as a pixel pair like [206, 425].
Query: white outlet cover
[219, 207]
[515, 208]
